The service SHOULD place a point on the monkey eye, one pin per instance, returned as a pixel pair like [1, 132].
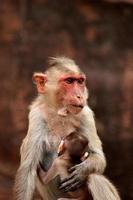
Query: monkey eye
[81, 80]
[69, 80]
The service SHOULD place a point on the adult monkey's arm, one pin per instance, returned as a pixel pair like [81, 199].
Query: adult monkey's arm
[96, 161]
[31, 151]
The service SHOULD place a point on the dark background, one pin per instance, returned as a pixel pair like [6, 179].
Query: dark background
[99, 36]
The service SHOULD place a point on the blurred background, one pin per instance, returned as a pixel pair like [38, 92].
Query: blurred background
[99, 36]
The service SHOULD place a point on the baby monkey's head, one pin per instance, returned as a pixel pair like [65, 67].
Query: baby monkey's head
[76, 145]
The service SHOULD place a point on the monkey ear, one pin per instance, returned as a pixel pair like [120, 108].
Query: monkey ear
[40, 79]
[86, 154]
[61, 147]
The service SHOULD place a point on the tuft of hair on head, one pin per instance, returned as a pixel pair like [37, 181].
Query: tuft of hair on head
[63, 63]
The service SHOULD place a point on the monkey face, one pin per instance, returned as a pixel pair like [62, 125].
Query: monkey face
[72, 91]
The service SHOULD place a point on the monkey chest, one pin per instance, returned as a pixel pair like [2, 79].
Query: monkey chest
[62, 126]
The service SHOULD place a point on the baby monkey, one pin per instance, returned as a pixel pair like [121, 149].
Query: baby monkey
[72, 150]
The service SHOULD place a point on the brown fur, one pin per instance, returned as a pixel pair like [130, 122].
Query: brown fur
[72, 150]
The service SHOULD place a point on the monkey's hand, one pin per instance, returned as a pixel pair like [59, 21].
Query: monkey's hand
[77, 178]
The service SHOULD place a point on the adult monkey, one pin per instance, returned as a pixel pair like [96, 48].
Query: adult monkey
[61, 108]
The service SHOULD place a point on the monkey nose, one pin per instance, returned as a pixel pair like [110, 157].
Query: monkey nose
[78, 97]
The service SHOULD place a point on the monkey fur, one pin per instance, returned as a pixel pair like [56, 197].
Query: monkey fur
[72, 150]
[61, 108]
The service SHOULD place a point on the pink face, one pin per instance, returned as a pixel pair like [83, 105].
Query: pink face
[72, 89]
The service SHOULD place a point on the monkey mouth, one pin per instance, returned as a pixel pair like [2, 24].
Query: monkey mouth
[77, 106]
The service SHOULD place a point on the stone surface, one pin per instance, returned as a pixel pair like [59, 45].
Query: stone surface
[120, 1]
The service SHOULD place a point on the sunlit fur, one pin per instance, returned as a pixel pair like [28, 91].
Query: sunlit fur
[47, 128]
